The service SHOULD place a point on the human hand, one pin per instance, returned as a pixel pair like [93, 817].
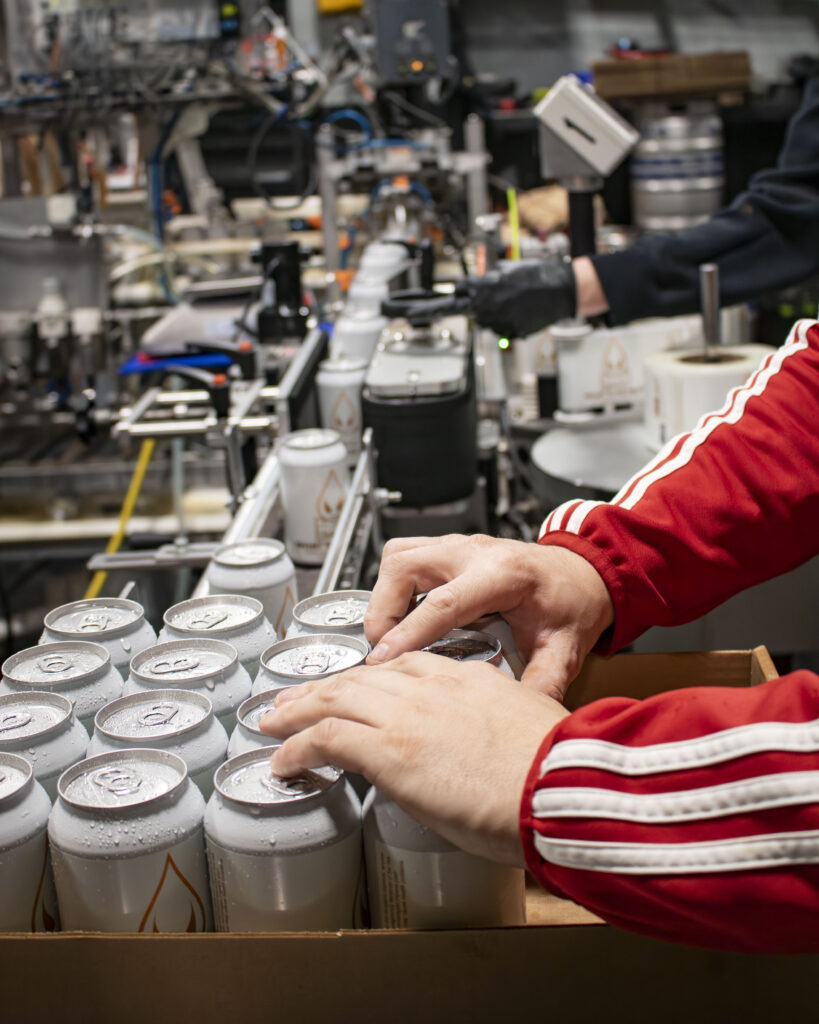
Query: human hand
[451, 743]
[521, 297]
[555, 602]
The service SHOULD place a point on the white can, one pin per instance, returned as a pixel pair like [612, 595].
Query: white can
[179, 721]
[315, 479]
[77, 669]
[471, 645]
[117, 625]
[41, 728]
[339, 383]
[247, 735]
[357, 332]
[284, 854]
[27, 899]
[340, 611]
[301, 659]
[233, 618]
[416, 879]
[208, 666]
[127, 845]
[259, 568]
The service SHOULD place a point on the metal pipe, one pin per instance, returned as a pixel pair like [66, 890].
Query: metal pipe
[477, 184]
[327, 191]
[709, 299]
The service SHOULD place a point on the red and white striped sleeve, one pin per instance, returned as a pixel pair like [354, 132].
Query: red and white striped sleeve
[730, 504]
[692, 816]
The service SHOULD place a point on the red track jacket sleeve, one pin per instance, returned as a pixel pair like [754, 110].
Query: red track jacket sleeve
[694, 815]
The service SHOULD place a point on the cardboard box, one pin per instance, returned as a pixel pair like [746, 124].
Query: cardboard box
[563, 965]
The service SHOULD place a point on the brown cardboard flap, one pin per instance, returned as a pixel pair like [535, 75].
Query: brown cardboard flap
[673, 75]
[644, 675]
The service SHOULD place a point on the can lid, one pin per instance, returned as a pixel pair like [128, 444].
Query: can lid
[183, 661]
[28, 715]
[308, 440]
[466, 645]
[340, 610]
[56, 664]
[155, 715]
[217, 613]
[247, 779]
[246, 553]
[15, 773]
[314, 656]
[343, 364]
[99, 617]
[251, 711]
[121, 778]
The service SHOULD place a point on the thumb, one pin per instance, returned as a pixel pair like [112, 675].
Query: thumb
[552, 666]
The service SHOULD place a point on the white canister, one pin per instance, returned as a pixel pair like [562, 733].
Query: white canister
[339, 383]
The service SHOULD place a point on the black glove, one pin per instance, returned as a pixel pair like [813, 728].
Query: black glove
[521, 297]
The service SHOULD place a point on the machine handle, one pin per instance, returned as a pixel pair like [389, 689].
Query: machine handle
[216, 384]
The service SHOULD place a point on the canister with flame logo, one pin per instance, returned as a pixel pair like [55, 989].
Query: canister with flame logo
[301, 659]
[27, 899]
[210, 667]
[247, 735]
[416, 879]
[179, 721]
[41, 727]
[127, 845]
[284, 854]
[315, 479]
[259, 568]
[117, 625]
[338, 384]
[341, 611]
[233, 618]
[77, 669]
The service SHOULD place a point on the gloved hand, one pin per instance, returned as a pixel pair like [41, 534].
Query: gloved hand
[521, 297]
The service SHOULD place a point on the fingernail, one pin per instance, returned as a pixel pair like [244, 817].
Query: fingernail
[380, 653]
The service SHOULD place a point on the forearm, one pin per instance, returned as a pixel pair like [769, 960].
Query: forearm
[690, 816]
[731, 504]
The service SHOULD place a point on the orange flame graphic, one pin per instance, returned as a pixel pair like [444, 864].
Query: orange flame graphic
[152, 906]
[344, 414]
[49, 924]
[331, 497]
[288, 602]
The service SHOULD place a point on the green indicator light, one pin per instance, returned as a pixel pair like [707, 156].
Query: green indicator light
[503, 343]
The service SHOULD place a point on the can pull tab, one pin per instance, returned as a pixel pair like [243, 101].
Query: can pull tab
[159, 714]
[55, 663]
[208, 619]
[14, 720]
[165, 666]
[341, 615]
[118, 781]
[95, 622]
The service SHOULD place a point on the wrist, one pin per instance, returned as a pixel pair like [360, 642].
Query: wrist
[591, 299]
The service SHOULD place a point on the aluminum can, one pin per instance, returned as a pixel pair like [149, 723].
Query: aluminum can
[471, 645]
[315, 479]
[259, 568]
[117, 625]
[498, 627]
[416, 879]
[127, 845]
[300, 659]
[208, 666]
[341, 611]
[28, 902]
[179, 721]
[230, 617]
[247, 735]
[77, 669]
[284, 854]
[41, 727]
[338, 384]
[357, 331]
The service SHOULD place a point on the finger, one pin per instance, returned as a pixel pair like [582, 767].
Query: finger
[402, 576]
[348, 745]
[336, 699]
[456, 603]
[551, 668]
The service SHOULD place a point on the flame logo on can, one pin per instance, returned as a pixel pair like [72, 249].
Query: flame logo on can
[172, 891]
[344, 415]
[331, 497]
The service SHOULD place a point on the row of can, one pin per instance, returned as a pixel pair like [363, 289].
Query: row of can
[135, 848]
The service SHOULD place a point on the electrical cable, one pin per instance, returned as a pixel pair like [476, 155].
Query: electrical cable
[514, 222]
[410, 108]
[134, 488]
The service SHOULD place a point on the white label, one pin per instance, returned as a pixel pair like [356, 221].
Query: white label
[319, 890]
[166, 891]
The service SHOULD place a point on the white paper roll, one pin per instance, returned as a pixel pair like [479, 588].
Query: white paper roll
[681, 387]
